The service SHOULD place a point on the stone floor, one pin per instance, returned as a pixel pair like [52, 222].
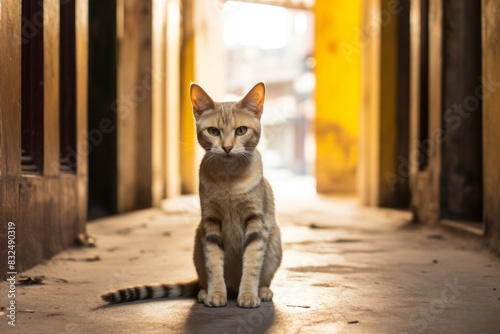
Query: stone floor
[345, 269]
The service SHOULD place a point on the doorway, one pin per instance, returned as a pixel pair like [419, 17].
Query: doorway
[275, 44]
[461, 170]
[102, 118]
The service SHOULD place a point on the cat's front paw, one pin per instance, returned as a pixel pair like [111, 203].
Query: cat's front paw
[216, 299]
[202, 295]
[265, 294]
[248, 300]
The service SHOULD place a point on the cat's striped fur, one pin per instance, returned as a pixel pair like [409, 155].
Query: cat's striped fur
[237, 245]
[152, 291]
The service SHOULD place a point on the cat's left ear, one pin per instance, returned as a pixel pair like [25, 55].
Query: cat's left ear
[200, 100]
[254, 100]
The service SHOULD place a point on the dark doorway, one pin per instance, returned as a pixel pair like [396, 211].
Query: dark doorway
[67, 87]
[461, 170]
[102, 104]
[423, 128]
[402, 189]
[32, 90]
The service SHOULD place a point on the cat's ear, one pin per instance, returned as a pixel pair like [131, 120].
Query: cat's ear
[200, 100]
[254, 100]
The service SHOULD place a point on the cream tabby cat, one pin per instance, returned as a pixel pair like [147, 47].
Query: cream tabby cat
[237, 245]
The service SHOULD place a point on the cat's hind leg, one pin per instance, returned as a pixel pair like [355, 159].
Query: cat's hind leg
[272, 261]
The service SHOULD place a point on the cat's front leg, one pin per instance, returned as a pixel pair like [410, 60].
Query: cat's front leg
[213, 249]
[254, 249]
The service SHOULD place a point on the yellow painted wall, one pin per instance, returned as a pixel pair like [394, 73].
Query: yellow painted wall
[337, 55]
[189, 182]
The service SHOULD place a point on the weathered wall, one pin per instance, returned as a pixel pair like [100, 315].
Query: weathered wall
[338, 49]
[48, 206]
[425, 109]
[491, 120]
[136, 80]
[383, 173]
[461, 171]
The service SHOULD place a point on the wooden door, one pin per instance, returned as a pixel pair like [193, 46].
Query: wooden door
[43, 149]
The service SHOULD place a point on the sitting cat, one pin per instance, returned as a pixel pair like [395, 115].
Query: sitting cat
[237, 245]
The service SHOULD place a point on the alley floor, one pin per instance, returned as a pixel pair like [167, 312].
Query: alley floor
[345, 270]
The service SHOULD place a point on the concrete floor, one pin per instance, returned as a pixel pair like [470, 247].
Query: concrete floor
[345, 269]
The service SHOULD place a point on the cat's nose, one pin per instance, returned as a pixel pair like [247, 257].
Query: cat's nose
[227, 149]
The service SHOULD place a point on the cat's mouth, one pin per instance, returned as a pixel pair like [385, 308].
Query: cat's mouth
[228, 155]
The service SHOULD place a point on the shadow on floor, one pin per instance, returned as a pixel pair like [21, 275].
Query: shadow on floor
[229, 319]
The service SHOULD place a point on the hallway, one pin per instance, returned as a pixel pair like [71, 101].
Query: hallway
[346, 269]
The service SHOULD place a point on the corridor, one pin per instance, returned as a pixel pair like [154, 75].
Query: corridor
[346, 269]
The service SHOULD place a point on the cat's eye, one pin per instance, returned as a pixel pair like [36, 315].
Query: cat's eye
[213, 131]
[240, 131]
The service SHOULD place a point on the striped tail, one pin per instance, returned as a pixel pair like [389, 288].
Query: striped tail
[152, 291]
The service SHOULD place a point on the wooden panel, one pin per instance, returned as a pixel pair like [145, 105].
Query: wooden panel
[134, 88]
[10, 89]
[384, 106]
[415, 18]
[388, 106]
[51, 151]
[48, 211]
[337, 94]
[491, 120]
[369, 148]
[145, 80]
[425, 184]
[159, 108]
[69, 218]
[51, 234]
[30, 232]
[126, 195]
[9, 199]
[435, 107]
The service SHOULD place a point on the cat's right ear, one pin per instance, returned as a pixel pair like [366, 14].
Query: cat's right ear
[200, 100]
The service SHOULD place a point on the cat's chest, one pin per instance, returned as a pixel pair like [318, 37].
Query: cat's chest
[232, 234]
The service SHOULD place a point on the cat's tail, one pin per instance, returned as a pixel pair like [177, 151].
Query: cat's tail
[152, 291]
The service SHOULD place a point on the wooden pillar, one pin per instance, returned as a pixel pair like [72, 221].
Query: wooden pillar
[491, 120]
[384, 109]
[82, 59]
[426, 110]
[369, 147]
[337, 94]
[136, 80]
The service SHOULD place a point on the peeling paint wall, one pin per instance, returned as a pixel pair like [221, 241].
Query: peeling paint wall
[337, 55]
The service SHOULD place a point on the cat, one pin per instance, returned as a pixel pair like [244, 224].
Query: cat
[237, 247]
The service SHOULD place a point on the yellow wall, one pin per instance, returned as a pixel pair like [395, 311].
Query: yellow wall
[188, 135]
[337, 94]
[188, 167]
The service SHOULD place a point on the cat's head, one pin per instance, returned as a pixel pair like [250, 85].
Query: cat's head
[228, 129]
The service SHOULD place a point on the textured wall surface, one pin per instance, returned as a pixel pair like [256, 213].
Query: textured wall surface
[491, 123]
[338, 48]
